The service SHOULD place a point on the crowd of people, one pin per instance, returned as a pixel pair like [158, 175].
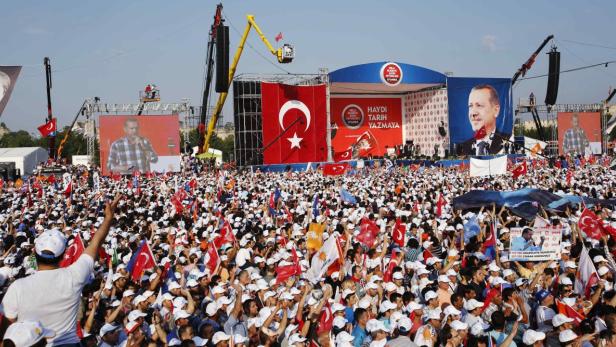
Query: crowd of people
[227, 257]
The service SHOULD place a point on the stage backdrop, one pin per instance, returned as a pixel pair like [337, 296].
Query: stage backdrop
[294, 123]
[156, 145]
[460, 128]
[583, 138]
[376, 120]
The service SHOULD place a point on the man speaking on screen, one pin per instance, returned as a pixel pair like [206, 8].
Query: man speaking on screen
[483, 110]
[131, 152]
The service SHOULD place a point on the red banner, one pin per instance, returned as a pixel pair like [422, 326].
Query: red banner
[367, 125]
[294, 123]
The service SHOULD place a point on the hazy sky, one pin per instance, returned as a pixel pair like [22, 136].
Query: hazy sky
[111, 49]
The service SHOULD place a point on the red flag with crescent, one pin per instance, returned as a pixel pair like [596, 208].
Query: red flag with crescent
[591, 225]
[48, 128]
[212, 258]
[334, 169]
[344, 155]
[398, 233]
[368, 231]
[226, 235]
[141, 260]
[294, 123]
[72, 252]
[326, 322]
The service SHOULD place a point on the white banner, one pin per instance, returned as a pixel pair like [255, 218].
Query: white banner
[538, 244]
[488, 167]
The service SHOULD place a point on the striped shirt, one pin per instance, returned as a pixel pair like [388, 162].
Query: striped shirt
[135, 156]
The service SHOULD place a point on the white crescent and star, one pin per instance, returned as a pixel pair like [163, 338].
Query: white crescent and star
[300, 106]
[50, 126]
[146, 256]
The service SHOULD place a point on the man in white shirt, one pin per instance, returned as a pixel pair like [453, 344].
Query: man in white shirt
[52, 294]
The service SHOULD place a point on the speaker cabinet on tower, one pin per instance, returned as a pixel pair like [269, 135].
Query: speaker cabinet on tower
[222, 59]
[553, 77]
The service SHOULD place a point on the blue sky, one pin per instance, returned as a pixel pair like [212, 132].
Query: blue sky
[111, 49]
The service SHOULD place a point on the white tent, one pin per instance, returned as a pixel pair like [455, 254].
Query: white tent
[25, 158]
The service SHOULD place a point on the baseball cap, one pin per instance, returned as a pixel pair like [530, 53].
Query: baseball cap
[135, 314]
[603, 270]
[27, 333]
[180, 314]
[340, 322]
[560, 319]
[444, 279]
[531, 336]
[434, 314]
[405, 324]
[472, 304]
[51, 241]
[430, 295]
[457, 325]
[567, 335]
[570, 264]
[344, 336]
[598, 259]
[542, 294]
[296, 338]
[199, 341]
[220, 336]
[107, 328]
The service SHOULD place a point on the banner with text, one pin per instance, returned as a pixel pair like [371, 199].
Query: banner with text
[367, 126]
[139, 143]
[538, 244]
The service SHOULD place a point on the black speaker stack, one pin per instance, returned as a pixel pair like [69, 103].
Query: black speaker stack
[222, 59]
[553, 77]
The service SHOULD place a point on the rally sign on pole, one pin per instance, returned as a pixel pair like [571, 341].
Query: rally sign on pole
[538, 244]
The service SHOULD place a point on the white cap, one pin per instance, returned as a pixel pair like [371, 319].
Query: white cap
[174, 285]
[180, 314]
[50, 240]
[451, 310]
[211, 308]
[531, 336]
[598, 259]
[412, 306]
[107, 328]
[457, 325]
[296, 338]
[220, 336]
[135, 314]
[27, 333]
[199, 341]
[405, 324]
[567, 335]
[237, 338]
[434, 314]
[602, 270]
[398, 275]
[430, 295]
[570, 264]
[337, 307]
[444, 279]
[472, 304]
[560, 319]
[507, 272]
[386, 306]
[344, 336]
[493, 267]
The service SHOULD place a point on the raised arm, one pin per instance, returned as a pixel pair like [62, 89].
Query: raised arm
[103, 230]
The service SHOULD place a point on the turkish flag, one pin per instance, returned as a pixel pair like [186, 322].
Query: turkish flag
[334, 169]
[294, 123]
[366, 143]
[48, 128]
[368, 232]
[327, 319]
[439, 205]
[283, 273]
[213, 260]
[68, 190]
[72, 252]
[398, 233]
[344, 155]
[570, 312]
[226, 235]
[519, 170]
[590, 224]
[393, 262]
[141, 260]
[569, 177]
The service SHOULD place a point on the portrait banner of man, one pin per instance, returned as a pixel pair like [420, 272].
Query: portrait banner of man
[139, 143]
[480, 114]
[535, 244]
[579, 133]
[8, 77]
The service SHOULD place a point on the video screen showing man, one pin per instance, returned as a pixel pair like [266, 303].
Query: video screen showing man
[131, 152]
[483, 110]
[575, 140]
[526, 242]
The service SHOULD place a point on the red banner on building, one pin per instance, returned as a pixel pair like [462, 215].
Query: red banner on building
[367, 126]
[294, 123]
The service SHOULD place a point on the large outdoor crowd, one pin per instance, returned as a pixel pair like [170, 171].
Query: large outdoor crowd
[245, 258]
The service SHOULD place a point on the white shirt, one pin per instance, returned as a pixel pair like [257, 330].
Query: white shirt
[51, 297]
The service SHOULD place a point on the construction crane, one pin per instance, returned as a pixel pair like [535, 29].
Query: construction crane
[209, 59]
[284, 55]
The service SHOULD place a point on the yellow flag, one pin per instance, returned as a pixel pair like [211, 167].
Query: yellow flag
[231, 184]
[314, 236]
[536, 149]
[19, 183]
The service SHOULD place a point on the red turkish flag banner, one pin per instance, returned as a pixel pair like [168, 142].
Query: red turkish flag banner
[334, 169]
[398, 233]
[327, 319]
[213, 260]
[569, 312]
[226, 235]
[72, 252]
[141, 260]
[368, 232]
[591, 225]
[439, 205]
[344, 155]
[294, 123]
[48, 128]
[519, 170]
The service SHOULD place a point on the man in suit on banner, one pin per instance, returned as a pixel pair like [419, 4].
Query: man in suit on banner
[483, 110]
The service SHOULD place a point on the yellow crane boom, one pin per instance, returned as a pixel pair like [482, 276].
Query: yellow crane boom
[284, 55]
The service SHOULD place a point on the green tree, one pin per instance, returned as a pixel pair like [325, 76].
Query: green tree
[20, 138]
